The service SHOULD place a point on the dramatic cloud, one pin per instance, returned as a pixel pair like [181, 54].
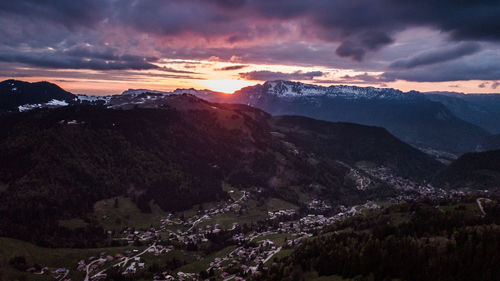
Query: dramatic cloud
[451, 71]
[265, 75]
[437, 56]
[358, 48]
[232, 67]
[79, 58]
[366, 78]
[110, 35]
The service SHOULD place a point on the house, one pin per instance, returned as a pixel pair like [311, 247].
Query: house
[61, 270]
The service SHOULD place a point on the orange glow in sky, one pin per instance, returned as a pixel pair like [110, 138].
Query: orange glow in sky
[225, 86]
[209, 74]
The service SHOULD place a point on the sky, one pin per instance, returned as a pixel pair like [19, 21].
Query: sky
[107, 46]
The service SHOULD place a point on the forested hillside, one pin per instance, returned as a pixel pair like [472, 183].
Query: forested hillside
[352, 143]
[412, 241]
[63, 160]
[479, 170]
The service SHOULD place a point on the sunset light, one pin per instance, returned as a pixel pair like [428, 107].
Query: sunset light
[225, 86]
[259, 140]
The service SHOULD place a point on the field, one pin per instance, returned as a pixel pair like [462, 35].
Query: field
[204, 263]
[52, 258]
[116, 217]
[118, 213]
[252, 214]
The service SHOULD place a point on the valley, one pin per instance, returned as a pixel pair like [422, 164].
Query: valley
[197, 243]
[156, 186]
[249, 140]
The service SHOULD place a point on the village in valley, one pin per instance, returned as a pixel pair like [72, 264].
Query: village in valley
[245, 247]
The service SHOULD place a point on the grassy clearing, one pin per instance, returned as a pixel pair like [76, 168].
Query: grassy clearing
[253, 213]
[283, 253]
[179, 255]
[278, 238]
[204, 262]
[50, 257]
[275, 204]
[233, 192]
[126, 214]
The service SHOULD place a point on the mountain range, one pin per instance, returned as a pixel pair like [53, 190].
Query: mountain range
[412, 116]
[464, 122]
[176, 150]
[440, 121]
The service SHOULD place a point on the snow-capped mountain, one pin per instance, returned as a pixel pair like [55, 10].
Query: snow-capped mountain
[136, 92]
[289, 89]
[414, 117]
[19, 95]
[204, 94]
[410, 116]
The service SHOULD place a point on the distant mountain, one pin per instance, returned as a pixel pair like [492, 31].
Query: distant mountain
[410, 116]
[480, 170]
[352, 143]
[430, 121]
[478, 109]
[490, 143]
[15, 94]
[202, 94]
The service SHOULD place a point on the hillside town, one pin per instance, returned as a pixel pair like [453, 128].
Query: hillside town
[251, 248]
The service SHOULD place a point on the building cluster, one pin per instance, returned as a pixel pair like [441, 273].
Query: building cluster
[281, 214]
[411, 190]
[245, 259]
[317, 205]
[362, 182]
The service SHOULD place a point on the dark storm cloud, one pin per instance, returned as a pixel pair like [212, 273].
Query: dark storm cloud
[232, 67]
[367, 78]
[352, 22]
[368, 42]
[67, 13]
[264, 75]
[173, 70]
[16, 70]
[338, 30]
[450, 71]
[437, 56]
[67, 61]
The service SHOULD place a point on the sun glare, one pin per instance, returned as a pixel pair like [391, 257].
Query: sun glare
[225, 86]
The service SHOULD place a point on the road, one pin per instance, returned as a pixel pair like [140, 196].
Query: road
[195, 223]
[254, 268]
[206, 217]
[87, 269]
[121, 263]
[480, 205]
[64, 276]
[271, 255]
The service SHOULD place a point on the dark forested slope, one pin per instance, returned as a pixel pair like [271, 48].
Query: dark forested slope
[352, 143]
[479, 170]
